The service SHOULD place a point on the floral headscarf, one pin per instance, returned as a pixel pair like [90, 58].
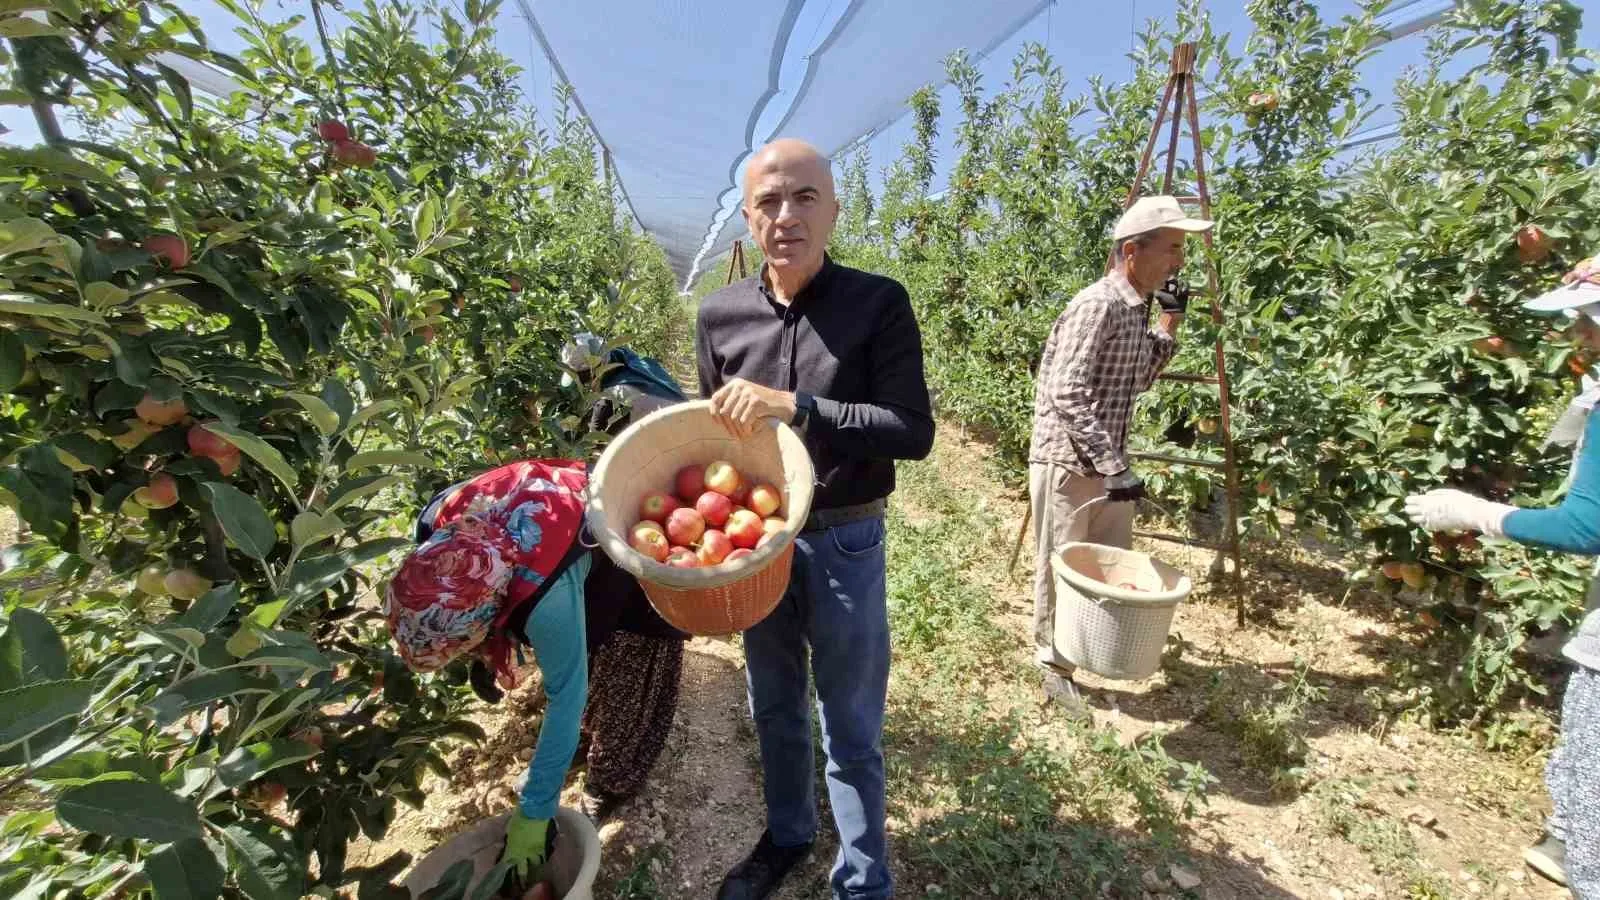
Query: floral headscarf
[496, 540]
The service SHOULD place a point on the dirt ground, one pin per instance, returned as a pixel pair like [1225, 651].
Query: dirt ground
[1386, 808]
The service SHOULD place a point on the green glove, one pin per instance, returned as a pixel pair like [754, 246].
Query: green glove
[527, 844]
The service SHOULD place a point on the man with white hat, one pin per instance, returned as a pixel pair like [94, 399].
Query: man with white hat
[1101, 354]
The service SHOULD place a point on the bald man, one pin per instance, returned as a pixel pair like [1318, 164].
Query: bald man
[836, 353]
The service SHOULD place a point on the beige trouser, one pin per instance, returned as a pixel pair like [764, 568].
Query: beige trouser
[1062, 513]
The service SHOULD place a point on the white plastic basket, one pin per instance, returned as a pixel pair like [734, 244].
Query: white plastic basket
[571, 869]
[1109, 630]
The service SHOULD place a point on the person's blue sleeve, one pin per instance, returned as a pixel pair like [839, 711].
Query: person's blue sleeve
[556, 631]
[1573, 526]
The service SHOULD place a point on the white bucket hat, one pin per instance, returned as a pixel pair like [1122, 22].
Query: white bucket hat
[1150, 213]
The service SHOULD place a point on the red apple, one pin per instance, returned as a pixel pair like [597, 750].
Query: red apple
[691, 483]
[160, 493]
[355, 153]
[772, 525]
[152, 580]
[426, 333]
[765, 500]
[1263, 100]
[740, 495]
[160, 412]
[204, 442]
[228, 462]
[714, 508]
[744, 528]
[714, 548]
[738, 554]
[515, 284]
[648, 538]
[333, 131]
[722, 477]
[683, 558]
[685, 526]
[657, 506]
[186, 584]
[311, 735]
[168, 247]
[1533, 245]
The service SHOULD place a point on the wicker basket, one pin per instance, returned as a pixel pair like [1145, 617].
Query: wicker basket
[646, 457]
[1111, 631]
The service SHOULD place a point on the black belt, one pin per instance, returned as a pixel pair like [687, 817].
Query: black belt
[823, 519]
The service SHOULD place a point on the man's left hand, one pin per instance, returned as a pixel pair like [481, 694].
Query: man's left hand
[1173, 297]
[742, 405]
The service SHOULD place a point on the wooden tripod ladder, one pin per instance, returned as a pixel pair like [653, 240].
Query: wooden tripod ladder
[736, 259]
[1179, 96]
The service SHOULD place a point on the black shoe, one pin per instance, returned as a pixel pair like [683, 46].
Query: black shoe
[762, 871]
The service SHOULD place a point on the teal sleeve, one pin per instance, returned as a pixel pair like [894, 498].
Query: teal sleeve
[556, 631]
[1574, 525]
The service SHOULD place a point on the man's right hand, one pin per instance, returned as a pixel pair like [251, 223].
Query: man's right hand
[1124, 487]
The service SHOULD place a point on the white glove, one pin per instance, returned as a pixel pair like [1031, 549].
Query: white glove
[1450, 510]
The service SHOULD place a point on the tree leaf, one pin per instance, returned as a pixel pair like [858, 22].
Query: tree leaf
[28, 710]
[211, 609]
[185, 870]
[13, 359]
[258, 450]
[198, 690]
[44, 655]
[129, 809]
[372, 409]
[313, 575]
[322, 416]
[28, 305]
[24, 234]
[180, 89]
[242, 518]
[348, 492]
[374, 458]
[264, 864]
[266, 615]
[310, 527]
[42, 487]
[338, 398]
[253, 761]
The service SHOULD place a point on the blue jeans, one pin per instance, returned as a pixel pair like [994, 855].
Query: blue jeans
[836, 609]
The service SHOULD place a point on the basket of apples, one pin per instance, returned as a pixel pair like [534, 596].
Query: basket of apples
[704, 520]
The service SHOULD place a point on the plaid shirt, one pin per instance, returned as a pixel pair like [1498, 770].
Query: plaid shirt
[1101, 354]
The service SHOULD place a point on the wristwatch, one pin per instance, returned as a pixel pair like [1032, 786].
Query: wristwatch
[804, 406]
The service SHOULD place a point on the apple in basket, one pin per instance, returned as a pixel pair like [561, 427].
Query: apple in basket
[766, 539]
[714, 547]
[764, 500]
[691, 483]
[648, 538]
[714, 508]
[744, 528]
[722, 477]
[772, 525]
[1129, 586]
[685, 526]
[657, 506]
[683, 558]
[737, 555]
